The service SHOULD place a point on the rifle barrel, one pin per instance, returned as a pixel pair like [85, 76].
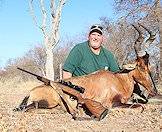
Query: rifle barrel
[27, 71]
[47, 81]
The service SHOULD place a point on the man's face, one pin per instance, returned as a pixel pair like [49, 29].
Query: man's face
[95, 40]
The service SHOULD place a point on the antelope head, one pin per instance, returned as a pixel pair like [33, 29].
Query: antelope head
[142, 72]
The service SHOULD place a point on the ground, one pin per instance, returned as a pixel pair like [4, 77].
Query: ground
[55, 120]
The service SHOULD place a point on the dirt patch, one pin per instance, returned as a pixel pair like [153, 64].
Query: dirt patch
[47, 120]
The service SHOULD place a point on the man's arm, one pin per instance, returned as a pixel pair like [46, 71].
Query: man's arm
[66, 74]
[71, 62]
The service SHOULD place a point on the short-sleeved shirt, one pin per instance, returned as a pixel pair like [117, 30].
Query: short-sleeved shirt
[81, 60]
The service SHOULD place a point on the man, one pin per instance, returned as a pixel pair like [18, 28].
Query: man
[89, 56]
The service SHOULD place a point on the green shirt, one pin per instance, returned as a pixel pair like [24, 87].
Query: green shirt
[81, 60]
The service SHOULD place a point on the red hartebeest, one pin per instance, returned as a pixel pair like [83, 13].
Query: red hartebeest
[103, 86]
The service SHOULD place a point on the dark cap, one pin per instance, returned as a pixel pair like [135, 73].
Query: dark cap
[96, 28]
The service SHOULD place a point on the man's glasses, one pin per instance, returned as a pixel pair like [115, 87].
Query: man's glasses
[97, 26]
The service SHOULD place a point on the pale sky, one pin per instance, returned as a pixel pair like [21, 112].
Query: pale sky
[18, 33]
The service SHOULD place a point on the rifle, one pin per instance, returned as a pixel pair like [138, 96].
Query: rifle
[95, 108]
[47, 81]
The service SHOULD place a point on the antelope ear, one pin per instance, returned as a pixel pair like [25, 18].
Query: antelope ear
[129, 66]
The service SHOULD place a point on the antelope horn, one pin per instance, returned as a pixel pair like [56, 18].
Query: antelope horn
[152, 37]
[138, 41]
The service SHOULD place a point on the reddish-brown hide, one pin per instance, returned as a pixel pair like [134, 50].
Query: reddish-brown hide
[107, 87]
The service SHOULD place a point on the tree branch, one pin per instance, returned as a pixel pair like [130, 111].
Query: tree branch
[32, 13]
[44, 18]
[56, 22]
[52, 6]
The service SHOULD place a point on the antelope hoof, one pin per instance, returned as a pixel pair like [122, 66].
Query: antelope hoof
[103, 114]
[19, 108]
[16, 109]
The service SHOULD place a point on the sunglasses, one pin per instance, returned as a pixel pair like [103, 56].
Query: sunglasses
[96, 26]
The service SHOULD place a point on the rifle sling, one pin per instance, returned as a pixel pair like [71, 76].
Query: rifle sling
[62, 95]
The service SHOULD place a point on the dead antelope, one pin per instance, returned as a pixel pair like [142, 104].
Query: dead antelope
[109, 88]
[103, 86]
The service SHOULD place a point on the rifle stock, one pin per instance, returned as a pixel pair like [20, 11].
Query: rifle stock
[94, 107]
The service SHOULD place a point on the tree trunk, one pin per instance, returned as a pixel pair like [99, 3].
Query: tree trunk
[49, 64]
[51, 37]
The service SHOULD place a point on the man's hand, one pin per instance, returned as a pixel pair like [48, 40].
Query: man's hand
[66, 75]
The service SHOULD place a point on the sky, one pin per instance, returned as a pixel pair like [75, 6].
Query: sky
[18, 33]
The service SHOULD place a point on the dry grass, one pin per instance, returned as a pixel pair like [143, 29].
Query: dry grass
[47, 120]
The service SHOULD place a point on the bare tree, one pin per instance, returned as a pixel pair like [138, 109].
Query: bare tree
[146, 12]
[50, 30]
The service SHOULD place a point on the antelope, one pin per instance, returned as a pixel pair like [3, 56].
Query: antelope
[45, 96]
[109, 88]
[106, 87]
